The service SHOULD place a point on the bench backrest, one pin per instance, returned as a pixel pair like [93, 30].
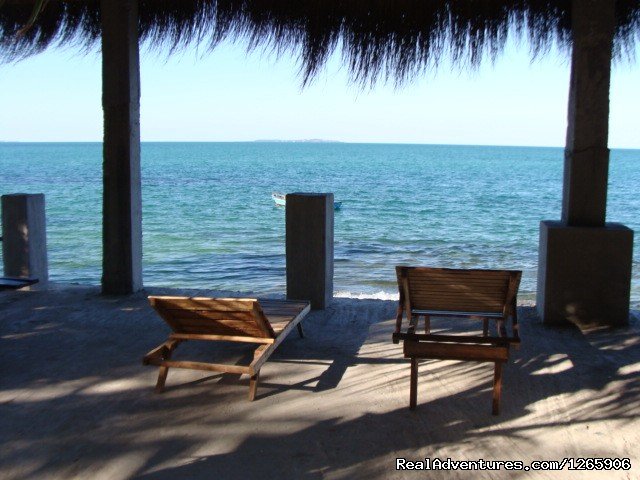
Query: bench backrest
[233, 317]
[458, 290]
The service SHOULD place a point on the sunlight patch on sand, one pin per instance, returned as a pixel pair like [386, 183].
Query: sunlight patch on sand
[556, 363]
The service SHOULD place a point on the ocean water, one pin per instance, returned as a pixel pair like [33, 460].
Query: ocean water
[209, 221]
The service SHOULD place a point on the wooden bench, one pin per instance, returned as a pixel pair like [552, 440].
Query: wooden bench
[247, 320]
[483, 295]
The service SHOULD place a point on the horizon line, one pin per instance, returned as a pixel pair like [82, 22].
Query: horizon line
[309, 141]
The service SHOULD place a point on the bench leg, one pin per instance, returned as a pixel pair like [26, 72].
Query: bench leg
[253, 386]
[163, 371]
[162, 377]
[413, 388]
[497, 388]
[300, 331]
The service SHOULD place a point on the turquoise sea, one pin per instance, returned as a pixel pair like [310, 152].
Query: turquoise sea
[209, 221]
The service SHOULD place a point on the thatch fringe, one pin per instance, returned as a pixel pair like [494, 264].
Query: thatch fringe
[379, 39]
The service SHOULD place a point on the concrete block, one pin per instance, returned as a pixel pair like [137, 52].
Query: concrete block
[24, 237]
[584, 274]
[309, 248]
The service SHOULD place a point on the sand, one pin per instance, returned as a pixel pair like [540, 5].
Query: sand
[76, 402]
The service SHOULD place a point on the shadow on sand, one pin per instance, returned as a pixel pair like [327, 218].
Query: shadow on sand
[75, 401]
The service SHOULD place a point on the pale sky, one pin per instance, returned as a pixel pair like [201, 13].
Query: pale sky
[229, 95]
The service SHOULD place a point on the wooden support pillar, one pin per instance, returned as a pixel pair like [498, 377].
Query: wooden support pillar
[584, 264]
[309, 248]
[122, 201]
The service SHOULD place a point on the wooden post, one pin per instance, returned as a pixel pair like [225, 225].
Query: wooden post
[586, 164]
[122, 201]
[309, 248]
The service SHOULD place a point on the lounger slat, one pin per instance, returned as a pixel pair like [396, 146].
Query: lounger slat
[456, 351]
[462, 299]
[203, 303]
[454, 313]
[459, 289]
[225, 338]
[244, 316]
[433, 303]
[222, 330]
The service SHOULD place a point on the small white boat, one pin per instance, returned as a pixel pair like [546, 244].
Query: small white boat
[280, 200]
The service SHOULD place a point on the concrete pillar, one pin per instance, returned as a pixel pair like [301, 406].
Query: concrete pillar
[584, 264]
[24, 237]
[586, 167]
[122, 201]
[584, 274]
[309, 248]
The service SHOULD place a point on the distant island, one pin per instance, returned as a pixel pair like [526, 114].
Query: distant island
[308, 140]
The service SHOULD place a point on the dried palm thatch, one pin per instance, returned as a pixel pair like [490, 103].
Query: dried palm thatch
[379, 39]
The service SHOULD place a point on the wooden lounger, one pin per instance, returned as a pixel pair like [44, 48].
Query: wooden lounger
[265, 323]
[472, 294]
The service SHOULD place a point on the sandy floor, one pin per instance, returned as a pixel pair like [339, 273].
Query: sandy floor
[76, 402]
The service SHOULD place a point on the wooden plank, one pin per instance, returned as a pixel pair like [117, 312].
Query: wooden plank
[458, 285]
[203, 303]
[471, 314]
[453, 303]
[225, 338]
[211, 367]
[453, 351]
[471, 339]
[220, 330]
[208, 314]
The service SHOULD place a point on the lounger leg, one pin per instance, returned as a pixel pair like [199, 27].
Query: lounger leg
[162, 373]
[485, 327]
[300, 331]
[162, 377]
[413, 389]
[253, 386]
[502, 330]
[427, 324]
[398, 320]
[497, 388]
[514, 319]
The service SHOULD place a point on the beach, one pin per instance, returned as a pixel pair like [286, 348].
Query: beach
[77, 402]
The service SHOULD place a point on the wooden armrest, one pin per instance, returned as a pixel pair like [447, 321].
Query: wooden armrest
[431, 337]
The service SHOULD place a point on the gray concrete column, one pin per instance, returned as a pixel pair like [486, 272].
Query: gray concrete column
[309, 248]
[586, 165]
[584, 274]
[584, 264]
[24, 237]
[122, 201]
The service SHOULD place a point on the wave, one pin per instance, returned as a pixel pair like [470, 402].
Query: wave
[367, 296]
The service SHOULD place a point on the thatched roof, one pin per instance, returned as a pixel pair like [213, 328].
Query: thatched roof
[395, 39]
